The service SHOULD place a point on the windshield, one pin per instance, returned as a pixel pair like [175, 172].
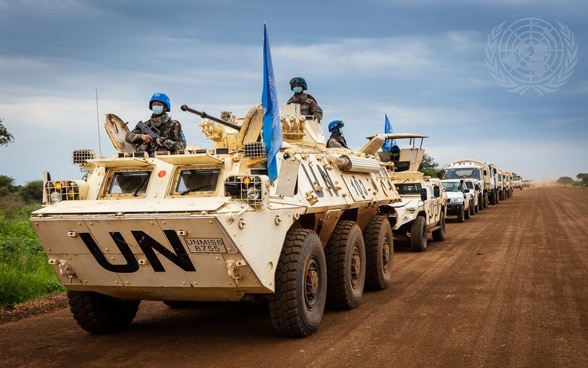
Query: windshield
[197, 180]
[451, 186]
[129, 182]
[463, 172]
[410, 188]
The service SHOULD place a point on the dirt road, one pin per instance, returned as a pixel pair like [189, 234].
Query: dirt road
[508, 288]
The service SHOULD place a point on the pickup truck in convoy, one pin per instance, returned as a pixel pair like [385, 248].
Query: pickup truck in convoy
[474, 194]
[458, 200]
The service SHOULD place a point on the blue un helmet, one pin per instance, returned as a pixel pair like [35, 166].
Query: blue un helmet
[298, 81]
[161, 97]
[335, 125]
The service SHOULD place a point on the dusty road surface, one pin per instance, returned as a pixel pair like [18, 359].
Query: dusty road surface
[508, 288]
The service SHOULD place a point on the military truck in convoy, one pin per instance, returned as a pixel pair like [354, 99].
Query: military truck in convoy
[422, 208]
[517, 181]
[206, 224]
[484, 173]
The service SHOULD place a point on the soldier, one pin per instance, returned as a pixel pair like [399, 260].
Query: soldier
[171, 138]
[308, 104]
[336, 140]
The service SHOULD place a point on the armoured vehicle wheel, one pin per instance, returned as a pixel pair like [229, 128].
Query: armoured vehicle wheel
[439, 234]
[379, 249]
[461, 215]
[297, 307]
[346, 264]
[418, 235]
[99, 313]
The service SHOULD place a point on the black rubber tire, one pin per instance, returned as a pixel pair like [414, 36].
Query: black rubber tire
[439, 234]
[346, 266]
[461, 215]
[297, 306]
[99, 313]
[472, 208]
[467, 212]
[379, 249]
[486, 202]
[418, 234]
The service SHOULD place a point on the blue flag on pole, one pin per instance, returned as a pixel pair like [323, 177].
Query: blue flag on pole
[272, 128]
[387, 146]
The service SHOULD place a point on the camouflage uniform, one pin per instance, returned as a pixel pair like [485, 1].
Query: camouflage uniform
[170, 130]
[308, 105]
[337, 140]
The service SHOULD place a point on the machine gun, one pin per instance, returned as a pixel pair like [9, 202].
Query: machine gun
[206, 116]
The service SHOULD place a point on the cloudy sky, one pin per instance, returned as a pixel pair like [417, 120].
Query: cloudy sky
[504, 81]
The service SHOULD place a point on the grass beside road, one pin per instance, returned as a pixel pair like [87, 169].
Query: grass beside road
[24, 271]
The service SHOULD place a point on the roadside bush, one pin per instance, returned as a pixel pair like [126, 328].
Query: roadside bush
[24, 271]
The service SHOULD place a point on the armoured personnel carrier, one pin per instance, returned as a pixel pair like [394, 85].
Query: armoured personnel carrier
[207, 225]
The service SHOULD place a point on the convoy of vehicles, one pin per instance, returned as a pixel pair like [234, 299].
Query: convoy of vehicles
[206, 225]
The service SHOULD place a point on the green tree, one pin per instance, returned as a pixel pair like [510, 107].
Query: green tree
[429, 167]
[32, 191]
[583, 177]
[565, 180]
[7, 185]
[5, 136]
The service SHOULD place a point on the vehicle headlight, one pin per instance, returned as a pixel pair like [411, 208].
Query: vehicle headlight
[55, 197]
[459, 200]
[253, 193]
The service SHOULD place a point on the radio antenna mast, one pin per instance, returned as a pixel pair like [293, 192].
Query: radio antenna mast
[98, 125]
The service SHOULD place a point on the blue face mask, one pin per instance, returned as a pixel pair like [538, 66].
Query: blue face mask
[157, 110]
[297, 89]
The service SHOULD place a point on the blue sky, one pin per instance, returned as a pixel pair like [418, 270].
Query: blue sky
[422, 62]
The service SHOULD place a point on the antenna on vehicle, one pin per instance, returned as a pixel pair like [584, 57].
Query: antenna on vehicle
[98, 125]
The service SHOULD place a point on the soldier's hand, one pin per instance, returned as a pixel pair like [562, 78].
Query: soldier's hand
[146, 138]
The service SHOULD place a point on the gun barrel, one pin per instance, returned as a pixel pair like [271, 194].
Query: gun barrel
[204, 115]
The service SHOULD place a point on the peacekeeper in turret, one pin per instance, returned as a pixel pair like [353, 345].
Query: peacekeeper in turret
[336, 140]
[160, 132]
[308, 104]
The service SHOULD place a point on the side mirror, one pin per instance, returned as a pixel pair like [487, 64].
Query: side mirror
[424, 194]
[436, 191]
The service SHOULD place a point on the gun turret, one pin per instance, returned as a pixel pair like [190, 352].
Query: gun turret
[213, 118]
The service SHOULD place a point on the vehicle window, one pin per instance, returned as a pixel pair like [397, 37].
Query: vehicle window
[451, 187]
[413, 188]
[197, 180]
[129, 182]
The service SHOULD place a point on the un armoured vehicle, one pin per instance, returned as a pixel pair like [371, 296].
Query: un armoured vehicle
[423, 206]
[207, 225]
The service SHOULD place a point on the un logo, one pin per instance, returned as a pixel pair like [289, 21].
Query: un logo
[530, 53]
